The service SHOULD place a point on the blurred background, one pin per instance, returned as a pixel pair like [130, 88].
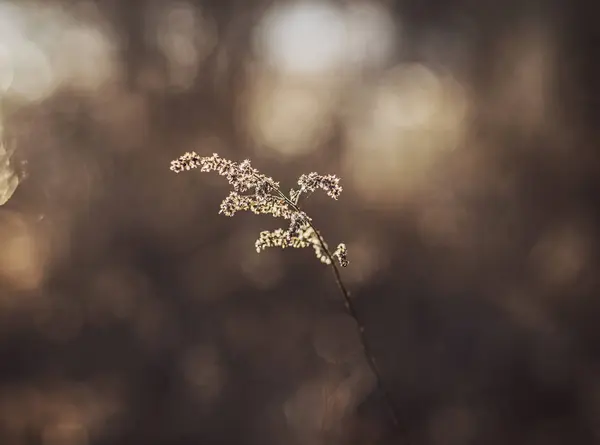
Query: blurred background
[465, 134]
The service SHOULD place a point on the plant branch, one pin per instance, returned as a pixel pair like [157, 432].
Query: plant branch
[239, 176]
[351, 310]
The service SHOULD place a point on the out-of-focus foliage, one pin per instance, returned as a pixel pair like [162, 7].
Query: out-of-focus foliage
[9, 178]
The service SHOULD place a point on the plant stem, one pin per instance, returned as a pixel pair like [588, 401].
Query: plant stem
[361, 332]
[351, 310]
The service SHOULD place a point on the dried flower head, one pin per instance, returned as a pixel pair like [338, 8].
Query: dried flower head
[341, 253]
[328, 183]
[258, 193]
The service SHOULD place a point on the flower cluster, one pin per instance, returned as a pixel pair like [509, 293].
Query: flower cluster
[341, 253]
[241, 176]
[267, 204]
[303, 238]
[329, 183]
[187, 161]
[283, 238]
[299, 221]
[264, 196]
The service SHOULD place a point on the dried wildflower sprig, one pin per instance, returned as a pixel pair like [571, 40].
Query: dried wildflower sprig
[268, 198]
[263, 195]
[329, 183]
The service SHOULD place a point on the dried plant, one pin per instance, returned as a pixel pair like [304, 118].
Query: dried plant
[259, 193]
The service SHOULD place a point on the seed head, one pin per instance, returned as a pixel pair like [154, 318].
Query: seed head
[265, 197]
[328, 183]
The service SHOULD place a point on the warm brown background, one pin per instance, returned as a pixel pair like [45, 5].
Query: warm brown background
[131, 313]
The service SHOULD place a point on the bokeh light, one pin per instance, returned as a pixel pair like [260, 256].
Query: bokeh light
[185, 37]
[304, 38]
[22, 254]
[288, 118]
[398, 128]
[45, 48]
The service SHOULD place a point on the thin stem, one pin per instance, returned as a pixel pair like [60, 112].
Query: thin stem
[351, 310]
